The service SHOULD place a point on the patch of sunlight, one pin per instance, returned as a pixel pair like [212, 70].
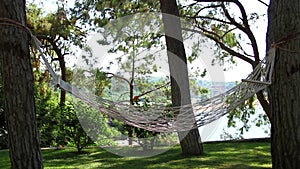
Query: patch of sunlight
[256, 165]
[61, 167]
[229, 149]
[265, 153]
[95, 153]
[211, 158]
[260, 147]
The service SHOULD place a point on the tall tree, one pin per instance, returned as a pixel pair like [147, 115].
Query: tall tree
[190, 141]
[284, 33]
[232, 32]
[19, 104]
[58, 31]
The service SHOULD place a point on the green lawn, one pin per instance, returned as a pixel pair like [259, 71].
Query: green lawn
[239, 155]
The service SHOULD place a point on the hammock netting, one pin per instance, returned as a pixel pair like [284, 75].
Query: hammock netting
[160, 118]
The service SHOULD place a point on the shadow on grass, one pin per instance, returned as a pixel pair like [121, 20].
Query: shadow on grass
[4, 159]
[218, 155]
[221, 156]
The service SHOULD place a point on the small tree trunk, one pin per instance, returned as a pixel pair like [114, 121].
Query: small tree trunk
[129, 128]
[79, 147]
[19, 104]
[130, 134]
[284, 29]
[190, 140]
[63, 68]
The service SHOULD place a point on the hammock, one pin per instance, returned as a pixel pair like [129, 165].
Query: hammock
[173, 119]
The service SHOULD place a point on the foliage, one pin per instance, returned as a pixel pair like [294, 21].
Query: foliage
[229, 136]
[95, 124]
[60, 27]
[59, 31]
[111, 10]
[244, 116]
[218, 155]
[133, 81]
[60, 125]
[242, 112]
[144, 104]
[227, 30]
[71, 128]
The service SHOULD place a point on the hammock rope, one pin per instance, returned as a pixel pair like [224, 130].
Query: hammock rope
[160, 118]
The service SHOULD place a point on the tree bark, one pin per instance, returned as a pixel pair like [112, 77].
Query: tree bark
[19, 104]
[63, 68]
[190, 140]
[284, 31]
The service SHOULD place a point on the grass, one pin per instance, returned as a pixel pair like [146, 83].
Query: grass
[228, 155]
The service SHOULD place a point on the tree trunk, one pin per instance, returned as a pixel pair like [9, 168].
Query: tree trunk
[63, 68]
[284, 30]
[190, 140]
[19, 104]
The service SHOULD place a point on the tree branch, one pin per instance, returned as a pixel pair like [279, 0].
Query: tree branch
[117, 76]
[245, 53]
[204, 31]
[152, 90]
[232, 20]
[246, 29]
[189, 5]
[210, 18]
[263, 3]
[227, 32]
[223, 46]
[264, 104]
[207, 7]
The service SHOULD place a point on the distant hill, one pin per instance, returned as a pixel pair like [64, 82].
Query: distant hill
[216, 88]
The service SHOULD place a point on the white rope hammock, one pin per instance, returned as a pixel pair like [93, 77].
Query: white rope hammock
[169, 119]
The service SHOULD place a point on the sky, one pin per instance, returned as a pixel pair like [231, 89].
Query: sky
[236, 73]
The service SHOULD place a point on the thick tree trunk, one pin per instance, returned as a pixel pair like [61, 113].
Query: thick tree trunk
[284, 30]
[19, 105]
[190, 140]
